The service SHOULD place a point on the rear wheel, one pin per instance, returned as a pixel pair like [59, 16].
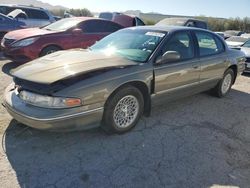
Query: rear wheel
[224, 86]
[49, 50]
[123, 110]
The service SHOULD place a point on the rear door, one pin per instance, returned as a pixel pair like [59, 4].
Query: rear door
[212, 57]
[173, 79]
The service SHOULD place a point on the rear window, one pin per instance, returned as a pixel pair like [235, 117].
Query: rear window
[106, 15]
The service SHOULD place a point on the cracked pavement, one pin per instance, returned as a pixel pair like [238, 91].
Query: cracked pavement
[198, 141]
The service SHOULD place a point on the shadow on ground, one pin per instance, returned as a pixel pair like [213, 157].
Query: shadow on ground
[246, 74]
[196, 142]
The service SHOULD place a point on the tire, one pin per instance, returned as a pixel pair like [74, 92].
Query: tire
[225, 84]
[116, 117]
[49, 50]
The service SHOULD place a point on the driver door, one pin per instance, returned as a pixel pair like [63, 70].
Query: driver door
[179, 77]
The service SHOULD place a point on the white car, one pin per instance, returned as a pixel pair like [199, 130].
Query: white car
[246, 49]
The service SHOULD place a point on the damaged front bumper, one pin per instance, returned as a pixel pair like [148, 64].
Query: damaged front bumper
[72, 119]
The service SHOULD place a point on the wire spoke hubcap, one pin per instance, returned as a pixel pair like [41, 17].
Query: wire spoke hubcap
[126, 111]
[226, 83]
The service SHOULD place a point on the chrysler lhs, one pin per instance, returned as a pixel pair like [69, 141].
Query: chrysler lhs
[117, 80]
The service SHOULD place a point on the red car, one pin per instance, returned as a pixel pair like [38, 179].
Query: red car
[78, 32]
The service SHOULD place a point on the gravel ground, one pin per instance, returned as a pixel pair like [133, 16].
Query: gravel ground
[199, 141]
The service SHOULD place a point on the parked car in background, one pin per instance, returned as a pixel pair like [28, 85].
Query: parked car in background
[221, 34]
[122, 19]
[115, 82]
[128, 20]
[246, 35]
[9, 24]
[36, 17]
[230, 33]
[246, 49]
[189, 22]
[236, 41]
[108, 15]
[76, 32]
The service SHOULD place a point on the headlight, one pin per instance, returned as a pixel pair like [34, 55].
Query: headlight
[48, 101]
[24, 42]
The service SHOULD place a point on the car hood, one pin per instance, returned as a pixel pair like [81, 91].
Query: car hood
[26, 33]
[246, 51]
[65, 64]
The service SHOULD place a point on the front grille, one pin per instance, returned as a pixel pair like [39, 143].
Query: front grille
[8, 42]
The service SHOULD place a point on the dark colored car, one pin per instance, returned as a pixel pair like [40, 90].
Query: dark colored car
[189, 22]
[116, 81]
[68, 33]
[9, 24]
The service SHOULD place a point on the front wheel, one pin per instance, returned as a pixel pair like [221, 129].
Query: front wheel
[224, 86]
[123, 110]
[49, 50]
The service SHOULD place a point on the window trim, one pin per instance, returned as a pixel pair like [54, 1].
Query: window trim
[214, 37]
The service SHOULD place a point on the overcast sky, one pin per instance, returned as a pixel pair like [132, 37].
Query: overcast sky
[217, 8]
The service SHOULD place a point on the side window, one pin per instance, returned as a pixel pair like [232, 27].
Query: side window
[201, 25]
[22, 15]
[190, 24]
[110, 27]
[96, 26]
[182, 43]
[36, 14]
[208, 44]
[90, 27]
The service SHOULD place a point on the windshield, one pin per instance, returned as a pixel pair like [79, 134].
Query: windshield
[136, 45]
[247, 44]
[63, 25]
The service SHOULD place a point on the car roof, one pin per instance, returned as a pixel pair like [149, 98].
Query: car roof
[168, 28]
[183, 19]
[82, 18]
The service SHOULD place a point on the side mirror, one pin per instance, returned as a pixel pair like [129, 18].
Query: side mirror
[168, 56]
[77, 31]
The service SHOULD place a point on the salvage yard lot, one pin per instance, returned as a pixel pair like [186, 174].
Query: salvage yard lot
[199, 141]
